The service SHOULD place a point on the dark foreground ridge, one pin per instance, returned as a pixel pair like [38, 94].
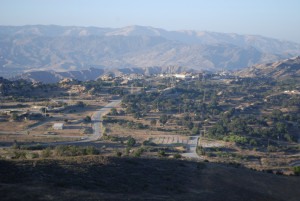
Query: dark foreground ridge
[106, 178]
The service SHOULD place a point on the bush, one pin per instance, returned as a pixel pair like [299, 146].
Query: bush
[272, 148]
[127, 151]
[296, 170]
[90, 150]
[253, 142]
[46, 152]
[153, 122]
[71, 150]
[161, 153]
[32, 155]
[148, 143]
[19, 155]
[199, 150]
[131, 142]
[177, 155]
[32, 147]
[138, 152]
[118, 154]
[15, 146]
[88, 131]
[80, 104]
[87, 119]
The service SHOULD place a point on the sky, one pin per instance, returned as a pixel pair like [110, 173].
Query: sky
[272, 18]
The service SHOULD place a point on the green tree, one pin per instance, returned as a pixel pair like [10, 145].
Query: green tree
[113, 111]
[153, 122]
[163, 119]
[87, 119]
[80, 104]
[195, 130]
[161, 153]
[296, 170]
[118, 154]
[15, 116]
[131, 142]
[138, 152]
[46, 152]
[276, 115]
[281, 127]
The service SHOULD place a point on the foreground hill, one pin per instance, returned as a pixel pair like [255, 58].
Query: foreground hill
[59, 48]
[284, 69]
[102, 178]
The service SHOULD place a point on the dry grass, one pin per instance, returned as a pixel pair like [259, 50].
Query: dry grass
[103, 178]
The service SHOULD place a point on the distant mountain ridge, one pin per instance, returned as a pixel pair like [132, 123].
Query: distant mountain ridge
[93, 73]
[62, 48]
[185, 36]
[279, 70]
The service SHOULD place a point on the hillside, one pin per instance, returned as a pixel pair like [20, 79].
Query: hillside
[98, 177]
[27, 48]
[94, 73]
[280, 70]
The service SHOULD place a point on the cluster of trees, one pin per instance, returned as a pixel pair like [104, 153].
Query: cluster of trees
[125, 123]
[233, 124]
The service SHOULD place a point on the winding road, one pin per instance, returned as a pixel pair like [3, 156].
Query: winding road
[96, 119]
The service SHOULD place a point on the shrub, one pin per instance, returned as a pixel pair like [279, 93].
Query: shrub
[272, 148]
[148, 143]
[118, 154]
[177, 155]
[80, 104]
[46, 152]
[138, 152]
[32, 155]
[16, 146]
[127, 151]
[87, 131]
[161, 153]
[87, 119]
[153, 122]
[90, 150]
[253, 142]
[32, 147]
[131, 142]
[200, 150]
[71, 150]
[296, 170]
[19, 155]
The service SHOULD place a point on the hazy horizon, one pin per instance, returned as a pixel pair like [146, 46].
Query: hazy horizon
[275, 19]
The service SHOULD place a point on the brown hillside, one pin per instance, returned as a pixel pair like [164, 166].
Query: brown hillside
[284, 69]
[102, 178]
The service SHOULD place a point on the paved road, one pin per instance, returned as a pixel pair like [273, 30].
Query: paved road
[191, 152]
[96, 119]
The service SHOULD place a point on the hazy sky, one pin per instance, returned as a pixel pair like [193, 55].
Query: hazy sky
[273, 18]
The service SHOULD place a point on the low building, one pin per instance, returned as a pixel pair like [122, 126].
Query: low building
[182, 76]
[58, 126]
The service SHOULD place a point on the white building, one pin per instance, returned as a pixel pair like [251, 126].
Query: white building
[58, 126]
[182, 76]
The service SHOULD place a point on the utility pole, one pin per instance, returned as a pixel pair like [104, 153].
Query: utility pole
[204, 140]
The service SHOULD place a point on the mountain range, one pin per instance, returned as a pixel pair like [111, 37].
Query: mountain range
[62, 48]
